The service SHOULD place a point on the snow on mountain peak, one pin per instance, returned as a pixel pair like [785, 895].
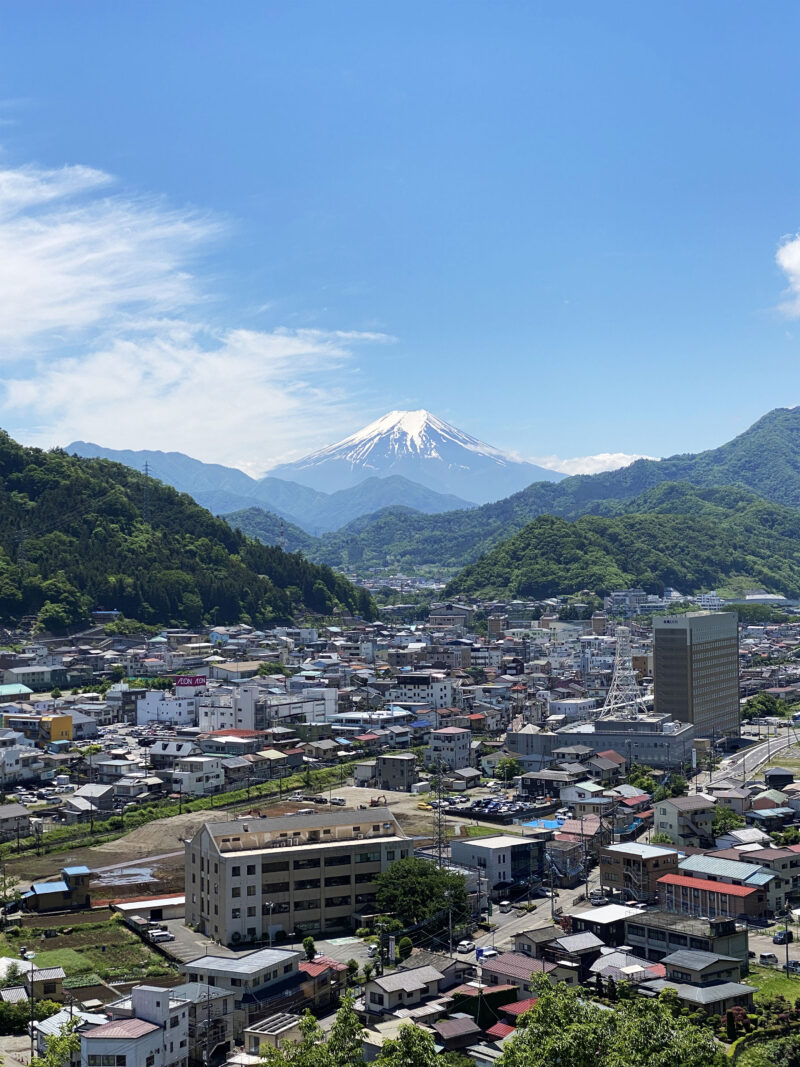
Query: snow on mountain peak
[421, 447]
[414, 432]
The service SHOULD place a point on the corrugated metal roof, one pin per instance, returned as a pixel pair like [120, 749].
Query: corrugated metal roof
[742, 872]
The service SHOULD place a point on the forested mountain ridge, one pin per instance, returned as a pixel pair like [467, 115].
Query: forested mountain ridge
[675, 535]
[78, 533]
[765, 459]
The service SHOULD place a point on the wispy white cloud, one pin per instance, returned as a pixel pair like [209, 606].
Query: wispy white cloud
[118, 278]
[788, 259]
[73, 259]
[241, 397]
[603, 461]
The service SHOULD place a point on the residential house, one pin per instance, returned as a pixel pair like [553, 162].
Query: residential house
[686, 821]
[402, 988]
[70, 892]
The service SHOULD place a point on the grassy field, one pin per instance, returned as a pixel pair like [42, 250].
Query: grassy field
[108, 949]
[772, 982]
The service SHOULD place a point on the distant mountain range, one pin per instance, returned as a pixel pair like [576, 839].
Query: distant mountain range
[224, 489]
[423, 448]
[765, 459]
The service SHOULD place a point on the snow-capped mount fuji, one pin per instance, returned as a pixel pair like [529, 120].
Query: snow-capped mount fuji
[423, 448]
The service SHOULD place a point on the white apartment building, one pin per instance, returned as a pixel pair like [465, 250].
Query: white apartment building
[423, 687]
[251, 708]
[450, 747]
[156, 1036]
[198, 775]
[160, 707]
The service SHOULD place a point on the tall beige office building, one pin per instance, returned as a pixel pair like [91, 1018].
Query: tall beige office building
[696, 670]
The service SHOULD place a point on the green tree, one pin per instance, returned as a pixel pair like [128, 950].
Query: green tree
[345, 1045]
[563, 1028]
[268, 669]
[730, 1026]
[507, 768]
[309, 947]
[352, 971]
[660, 839]
[414, 889]
[404, 948]
[725, 819]
[412, 1047]
[60, 1047]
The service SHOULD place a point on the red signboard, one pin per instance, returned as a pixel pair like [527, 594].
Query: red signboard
[200, 679]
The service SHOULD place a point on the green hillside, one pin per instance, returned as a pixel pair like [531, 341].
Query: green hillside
[270, 529]
[677, 535]
[765, 459]
[76, 534]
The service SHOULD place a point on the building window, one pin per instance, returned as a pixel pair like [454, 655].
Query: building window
[236, 872]
[251, 868]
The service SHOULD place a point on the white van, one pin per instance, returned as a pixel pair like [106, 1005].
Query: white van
[505, 906]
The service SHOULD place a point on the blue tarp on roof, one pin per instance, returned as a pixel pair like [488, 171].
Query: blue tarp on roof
[77, 870]
[420, 722]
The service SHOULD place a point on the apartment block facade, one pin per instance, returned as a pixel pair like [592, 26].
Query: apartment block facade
[634, 869]
[248, 880]
[449, 747]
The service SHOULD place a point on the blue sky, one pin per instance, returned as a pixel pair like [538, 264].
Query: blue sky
[244, 230]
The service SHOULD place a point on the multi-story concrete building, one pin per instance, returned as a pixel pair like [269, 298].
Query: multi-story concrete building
[509, 864]
[249, 879]
[156, 1034]
[449, 748]
[696, 671]
[397, 771]
[657, 740]
[655, 934]
[686, 820]
[210, 1017]
[634, 869]
[423, 687]
[198, 775]
[160, 707]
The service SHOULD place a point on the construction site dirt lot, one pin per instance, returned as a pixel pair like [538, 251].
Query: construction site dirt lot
[149, 860]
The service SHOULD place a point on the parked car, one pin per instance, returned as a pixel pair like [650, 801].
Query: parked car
[465, 946]
[487, 953]
[768, 959]
[794, 966]
[157, 936]
[783, 937]
[598, 902]
[338, 801]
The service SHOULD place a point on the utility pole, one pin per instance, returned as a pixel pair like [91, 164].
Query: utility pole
[208, 1027]
[449, 923]
[33, 1048]
[786, 937]
[270, 905]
